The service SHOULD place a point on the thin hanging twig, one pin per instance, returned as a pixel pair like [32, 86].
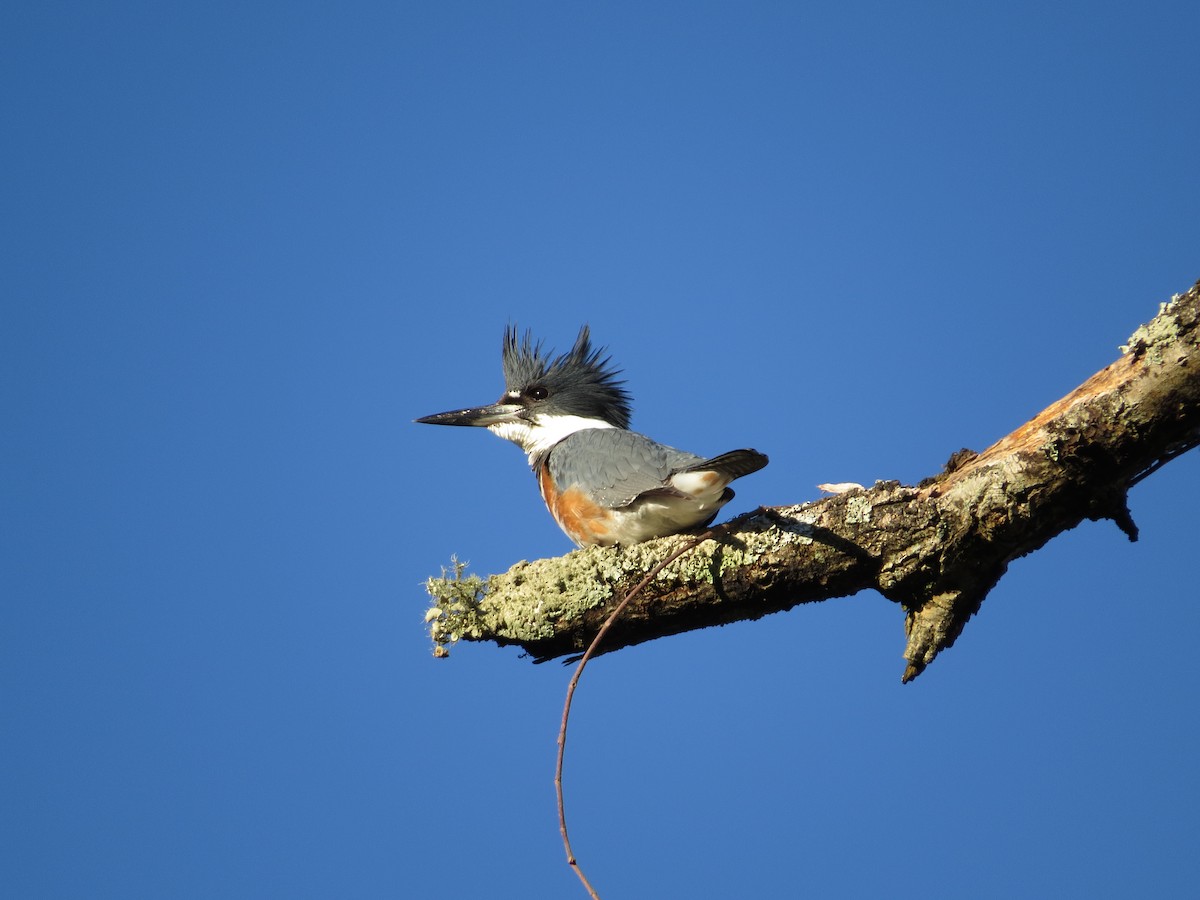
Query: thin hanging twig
[588, 654]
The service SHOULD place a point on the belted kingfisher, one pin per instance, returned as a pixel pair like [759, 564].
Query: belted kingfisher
[603, 483]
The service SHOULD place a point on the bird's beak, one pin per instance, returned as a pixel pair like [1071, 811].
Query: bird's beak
[476, 415]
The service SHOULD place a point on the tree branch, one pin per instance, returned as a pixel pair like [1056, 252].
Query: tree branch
[936, 548]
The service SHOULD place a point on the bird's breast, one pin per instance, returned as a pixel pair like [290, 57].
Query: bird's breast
[584, 520]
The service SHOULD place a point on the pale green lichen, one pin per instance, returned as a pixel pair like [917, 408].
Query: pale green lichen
[1149, 339]
[795, 526]
[858, 510]
[537, 595]
[455, 610]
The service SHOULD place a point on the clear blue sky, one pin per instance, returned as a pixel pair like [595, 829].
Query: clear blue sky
[244, 245]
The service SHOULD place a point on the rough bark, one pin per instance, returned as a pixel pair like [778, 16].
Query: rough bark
[936, 548]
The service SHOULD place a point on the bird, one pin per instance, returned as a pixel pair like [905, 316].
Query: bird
[603, 483]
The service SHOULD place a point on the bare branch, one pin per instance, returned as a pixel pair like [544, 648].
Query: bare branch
[936, 548]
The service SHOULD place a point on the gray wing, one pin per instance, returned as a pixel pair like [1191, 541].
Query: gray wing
[614, 466]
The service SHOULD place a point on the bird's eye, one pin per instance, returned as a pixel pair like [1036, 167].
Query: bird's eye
[537, 393]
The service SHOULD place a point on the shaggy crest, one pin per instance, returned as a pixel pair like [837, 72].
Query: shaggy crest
[580, 382]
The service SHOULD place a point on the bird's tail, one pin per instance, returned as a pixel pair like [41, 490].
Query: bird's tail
[731, 465]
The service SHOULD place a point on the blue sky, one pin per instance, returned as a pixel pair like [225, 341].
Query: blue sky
[245, 245]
